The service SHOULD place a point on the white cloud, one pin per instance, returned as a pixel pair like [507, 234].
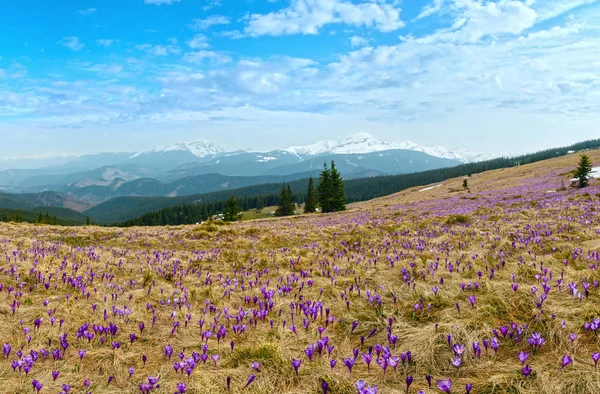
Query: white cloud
[309, 16]
[356, 41]
[201, 56]
[161, 2]
[105, 69]
[475, 20]
[158, 50]
[432, 9]
[211, 4]
[88, 11]
[213, 20]
[72, 43]
[548, 9]
[199, 41]
[105, 42]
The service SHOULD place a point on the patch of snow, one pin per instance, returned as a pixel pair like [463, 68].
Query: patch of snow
[265, 159]
[429, 188]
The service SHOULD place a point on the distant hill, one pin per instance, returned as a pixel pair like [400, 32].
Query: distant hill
[50, 215]
[33, 200]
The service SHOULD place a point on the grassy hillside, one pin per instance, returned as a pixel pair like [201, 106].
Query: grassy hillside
[362, 189]
[494, 287]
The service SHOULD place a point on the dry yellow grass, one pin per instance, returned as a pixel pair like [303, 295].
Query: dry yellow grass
[339, 253]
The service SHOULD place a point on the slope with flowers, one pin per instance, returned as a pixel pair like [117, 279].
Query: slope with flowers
[436, 289]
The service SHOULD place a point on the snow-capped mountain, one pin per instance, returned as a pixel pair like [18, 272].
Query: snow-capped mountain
[355, 144]
[362, 143]
[201, 148]
[462, 155]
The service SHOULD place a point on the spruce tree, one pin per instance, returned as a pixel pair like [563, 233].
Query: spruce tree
[286, 203]
[310, 205]
[324, 189]
[583, 171]
[338, 190]
[232, 210]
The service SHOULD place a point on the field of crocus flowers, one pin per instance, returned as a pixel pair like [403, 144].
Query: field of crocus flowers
[489, 290]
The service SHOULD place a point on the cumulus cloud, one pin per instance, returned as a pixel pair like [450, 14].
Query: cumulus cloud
[72, 43]
[207, 23]
[105, 42]
[201, 56]
[199, 41]
[310, 16]
[158, 50]
[356, 41]
[475, 20]
[88, 11]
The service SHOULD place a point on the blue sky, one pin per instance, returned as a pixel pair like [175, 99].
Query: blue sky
[80, 76]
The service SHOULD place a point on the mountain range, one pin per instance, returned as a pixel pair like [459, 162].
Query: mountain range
[202, 167]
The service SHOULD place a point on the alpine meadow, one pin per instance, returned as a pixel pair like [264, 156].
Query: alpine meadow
[300, 197]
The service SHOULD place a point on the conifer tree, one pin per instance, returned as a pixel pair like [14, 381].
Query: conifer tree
[324, 189]
[286, 203]
[232, 210]
[583, 171]
[310, 205]
[338, 190]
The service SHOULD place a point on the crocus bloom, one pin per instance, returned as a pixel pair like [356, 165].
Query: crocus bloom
[349, 362]
[444, 385]
[526, 370]
[251, 379]
[468, 388]
[324, 386]
[296, 364]
[596, 358]
[566, 360]
[523, 356]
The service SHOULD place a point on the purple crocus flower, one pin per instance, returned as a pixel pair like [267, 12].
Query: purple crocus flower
[324, 387]
[37, 385]
[444, 385]
[523, 356]
[409, 380]
[181, 387]
[367, 357]
[472, 300]
[526, 370]
[596, 358]
[251, 379]
[55, 375]
[349, 363]
[566, 360]
[468, 388]
[296, 364]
